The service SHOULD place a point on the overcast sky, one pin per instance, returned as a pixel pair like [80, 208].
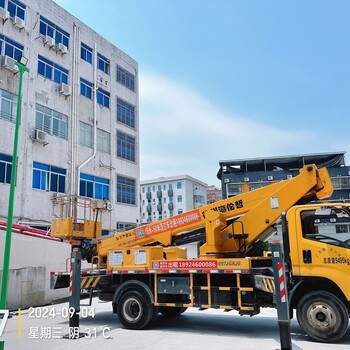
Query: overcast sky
[230, 79]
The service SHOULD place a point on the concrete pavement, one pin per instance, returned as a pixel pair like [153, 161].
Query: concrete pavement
[43, 328]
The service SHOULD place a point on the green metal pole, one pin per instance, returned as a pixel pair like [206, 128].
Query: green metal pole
[6, 265]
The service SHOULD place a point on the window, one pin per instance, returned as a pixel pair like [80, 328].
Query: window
[170, 186]
[126, 190]
[48, 28]
[103, 141]
[85, 138]
[125, 226]
[341, 182]
[164, 200]
[179, 185]
[86, 88]
[8, 105]
[179, 211]
[235, 189]
[49, 178]
[171, 212]
[86, 53]
[125, 146]
[149, 189]
[94, 187]
[328, 226]
[10, 48]
[143, 190]
[103, 97]
[51, 122]
[103, 63]
[171, 199]
[52, 71]
[125, 78]
[125, 113]
[14, 7]
[179, 199]
[5, 168]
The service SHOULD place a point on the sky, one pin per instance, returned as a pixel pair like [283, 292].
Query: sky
[229, 79]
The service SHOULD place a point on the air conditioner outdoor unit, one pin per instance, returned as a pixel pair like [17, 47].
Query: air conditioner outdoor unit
[61, 48]
[49, 41]
[4, 14]
[246, 179]
[270, 177]
[65, 89]
[39, 135]
[18, 22]
[9, 63]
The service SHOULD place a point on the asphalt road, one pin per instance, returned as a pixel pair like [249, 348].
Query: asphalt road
[43, 329]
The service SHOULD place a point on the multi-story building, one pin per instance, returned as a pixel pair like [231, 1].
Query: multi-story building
[242, 175]
[168, 196]
[79, 127]
[214, 194]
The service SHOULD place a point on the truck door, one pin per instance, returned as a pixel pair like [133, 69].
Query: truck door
[323, 244]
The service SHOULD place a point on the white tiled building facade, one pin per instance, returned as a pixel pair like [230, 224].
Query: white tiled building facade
[167, 196]
[80, 88]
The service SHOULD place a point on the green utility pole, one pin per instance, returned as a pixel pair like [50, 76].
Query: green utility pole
[6, 265]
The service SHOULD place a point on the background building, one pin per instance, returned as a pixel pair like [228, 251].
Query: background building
[79, 128]
[168, 196]
[214, 194]
[242, 175]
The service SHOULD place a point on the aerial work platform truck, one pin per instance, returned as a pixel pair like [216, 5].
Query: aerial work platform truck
[145, 271]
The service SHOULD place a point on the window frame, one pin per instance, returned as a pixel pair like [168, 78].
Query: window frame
[46, 27]
[126, 146]
[5, 168]
[126, 113]
[56, 70]
[125, 190]
[7, 44]
[53, 117]
[87, 52]
[47, 173]
[103, 97]
[96, 182]
[125, 78]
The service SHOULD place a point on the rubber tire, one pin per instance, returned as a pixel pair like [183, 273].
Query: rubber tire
[135, 310]
[170, 312]
[334, 307]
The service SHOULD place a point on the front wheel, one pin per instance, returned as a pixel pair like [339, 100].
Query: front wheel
[135, 310]
[323, 316]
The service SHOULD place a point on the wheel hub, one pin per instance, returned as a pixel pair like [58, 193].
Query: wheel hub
[321, 316]
[132, 310]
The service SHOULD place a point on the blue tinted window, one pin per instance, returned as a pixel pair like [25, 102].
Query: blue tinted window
[52, 70]
[86, 88]
[102, 97]
[5, 168]
[86, 53]
[102, 63]
[94, 187]
[15, 8]
[10, 48]
[125, 113]
[48, 178]
[126, 146]
[47, 27]
[126, 190]
[125, 78]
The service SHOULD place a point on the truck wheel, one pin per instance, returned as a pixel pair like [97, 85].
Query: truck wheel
[172, 311]
[322, 316]
[135, 310]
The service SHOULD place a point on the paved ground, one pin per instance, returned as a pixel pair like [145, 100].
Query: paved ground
[202, 330]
